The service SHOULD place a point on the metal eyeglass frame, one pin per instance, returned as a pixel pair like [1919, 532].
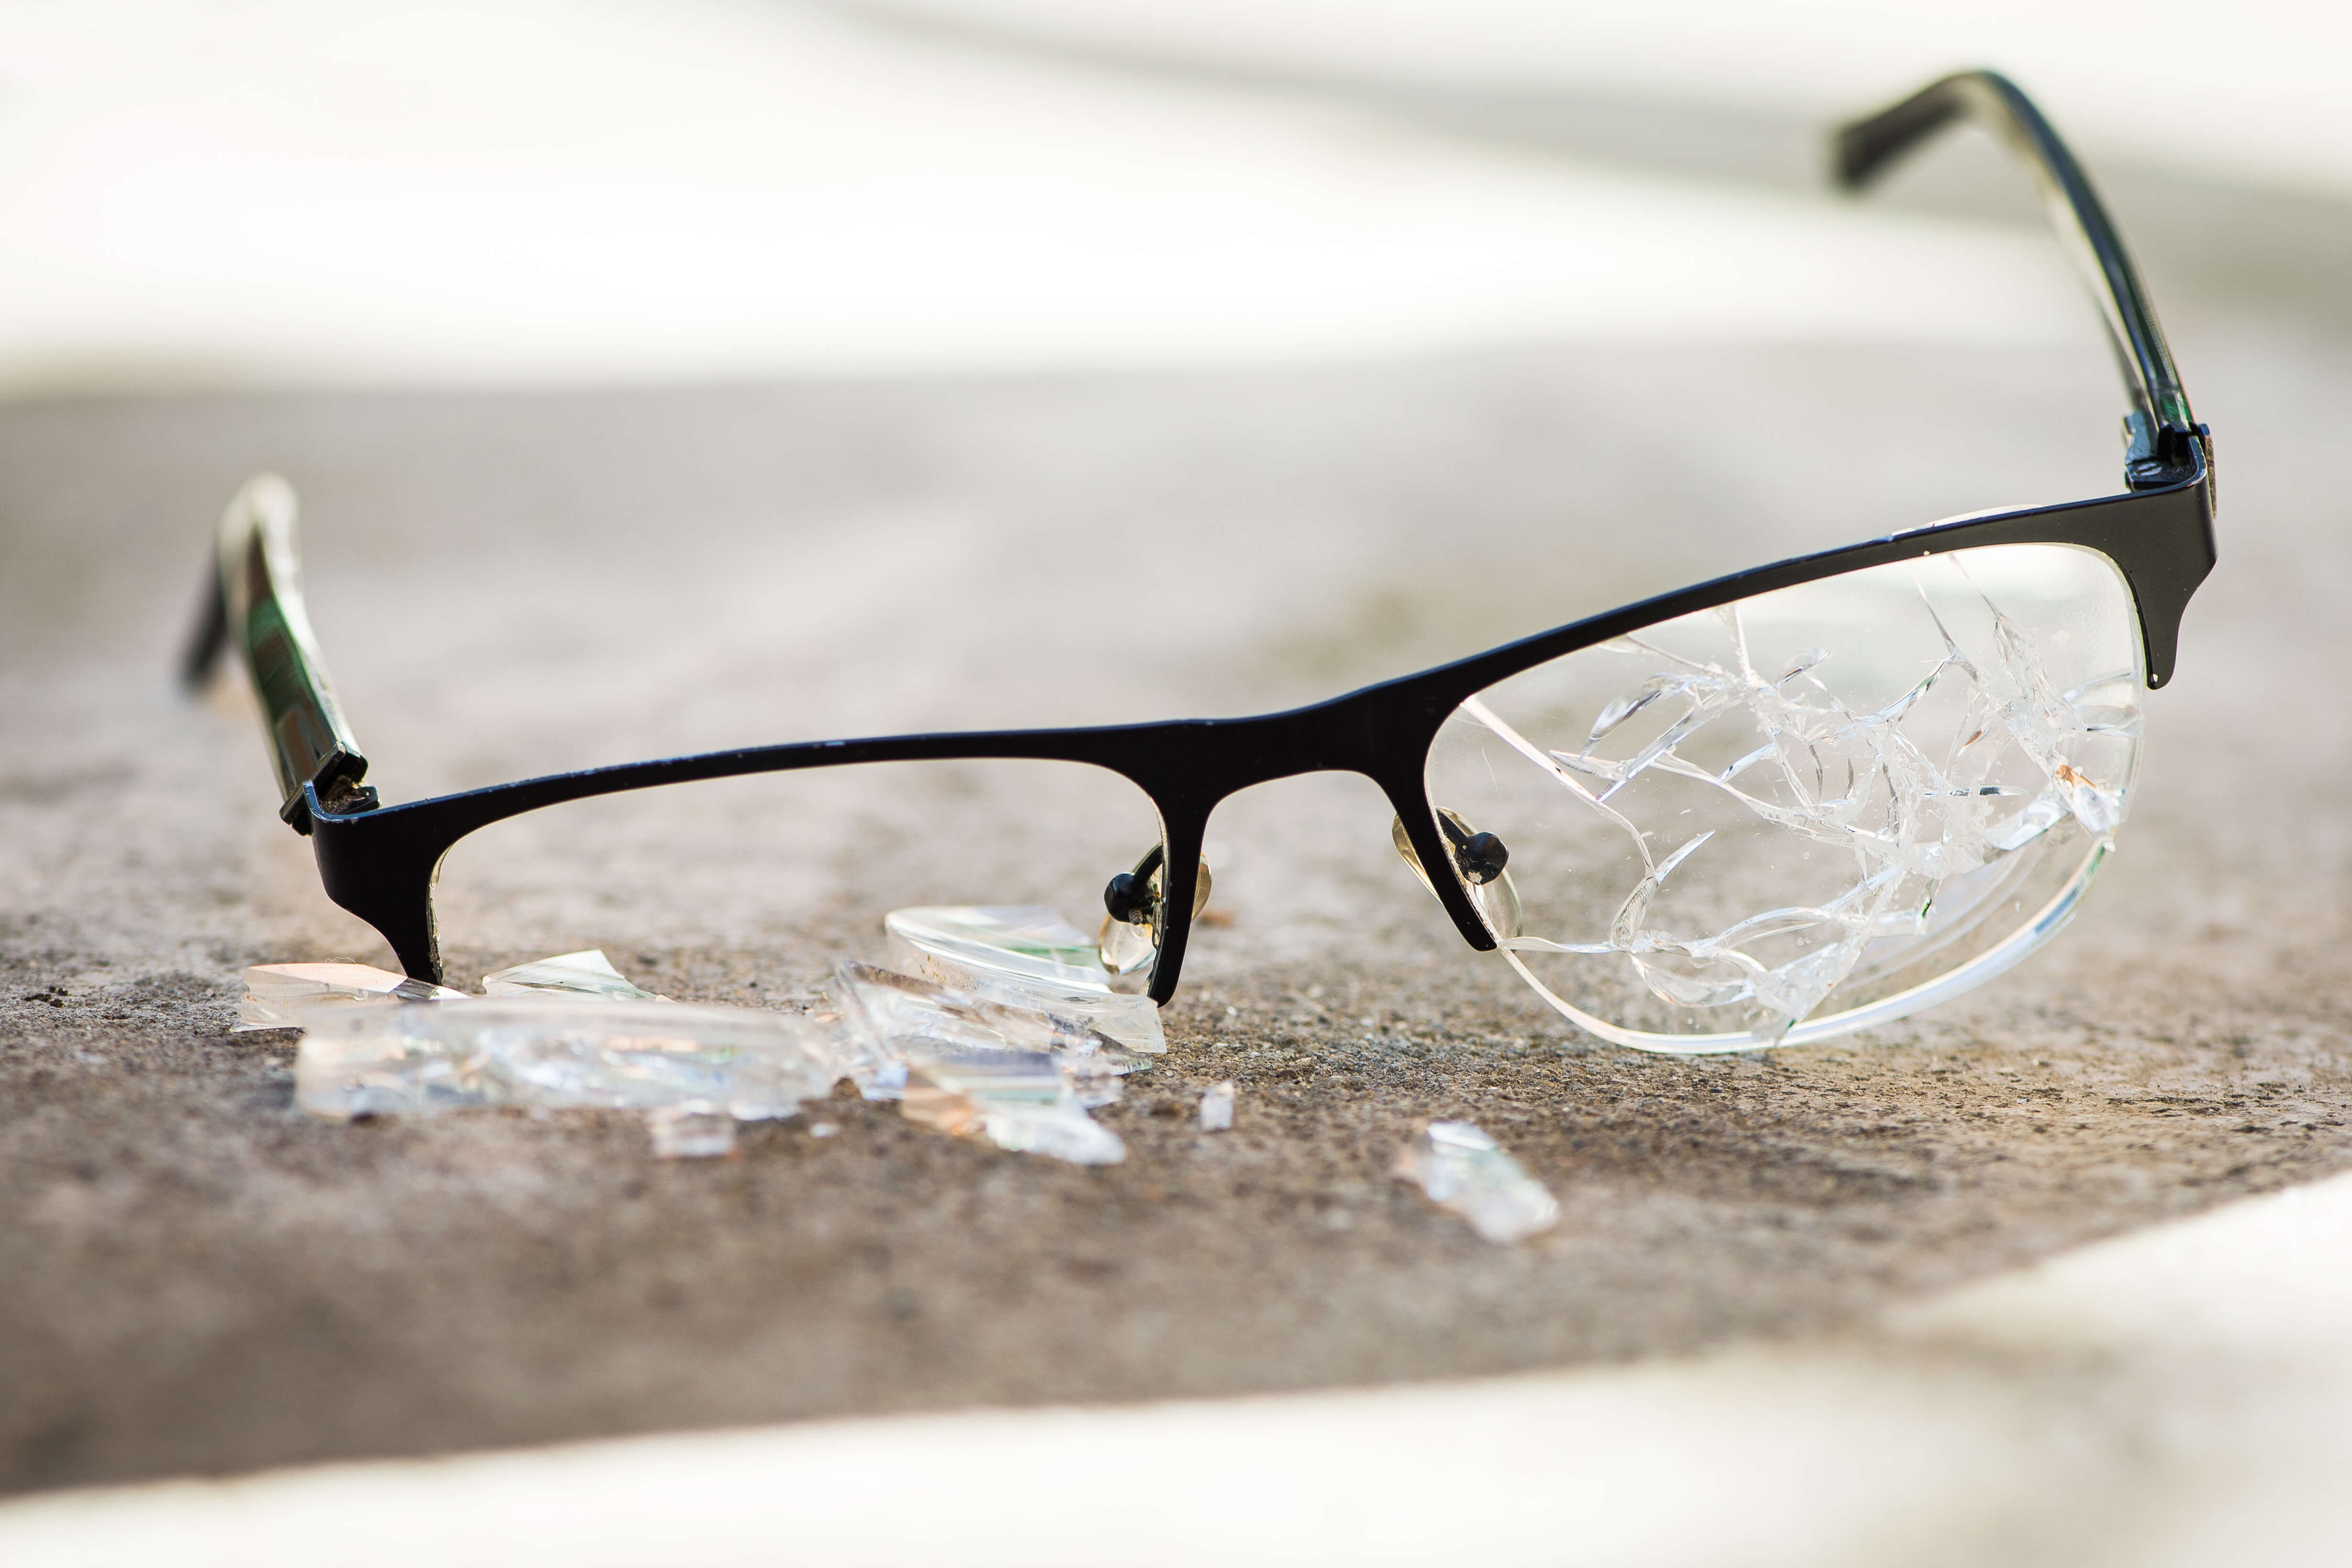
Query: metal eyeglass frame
[379, 862]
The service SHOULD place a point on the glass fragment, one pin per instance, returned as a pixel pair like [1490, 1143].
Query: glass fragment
[1061, 1132]
[556, 1053]
[1217, 1107]
[953, 1090]
[965, 944]
[1464, 1170]
[1019, 1100]
[1018, 1061]
[588, 973]
[882, 1012]
[1021, 956]
[690, 1129]
[277, 994]
[977, 1068]
[1132, 1022]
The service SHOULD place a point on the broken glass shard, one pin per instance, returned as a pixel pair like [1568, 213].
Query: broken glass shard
[882, 1011]
[1217, 1107]
[588, 973]
[1464, 1170]
[690, 1129]
[1098, 1079]
[1021, 956]
[1063, 1131]
[886, 1016]
[965, 944]
[1809, 811]
[952, 1089]
[1016, 1100]
[1130, 1021]
[277, 994]
[557, 1052]
[979, 1067]
[1019, 1100]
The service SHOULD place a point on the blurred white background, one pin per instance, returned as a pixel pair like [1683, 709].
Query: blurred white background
[198, 193]
[2253, 89]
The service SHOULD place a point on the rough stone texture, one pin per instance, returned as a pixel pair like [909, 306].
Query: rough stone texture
[197, 1277]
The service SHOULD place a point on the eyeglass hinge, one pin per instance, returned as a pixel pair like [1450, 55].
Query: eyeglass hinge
[340, 793]
[2155, 456]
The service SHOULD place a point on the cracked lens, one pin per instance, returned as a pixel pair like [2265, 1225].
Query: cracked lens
[1813, 810]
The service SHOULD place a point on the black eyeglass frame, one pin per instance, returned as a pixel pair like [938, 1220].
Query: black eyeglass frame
[379, 862]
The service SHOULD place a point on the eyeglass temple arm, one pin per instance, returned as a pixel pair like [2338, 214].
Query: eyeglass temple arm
[2160, 430]
[254, 602]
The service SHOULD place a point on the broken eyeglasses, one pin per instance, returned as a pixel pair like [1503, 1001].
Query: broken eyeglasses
[1772, 808]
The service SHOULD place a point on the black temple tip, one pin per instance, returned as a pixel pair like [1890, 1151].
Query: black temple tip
[1867, 148]
[208, 638]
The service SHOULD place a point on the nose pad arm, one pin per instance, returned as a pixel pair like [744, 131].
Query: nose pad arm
[1131, 903]
[1480, 858]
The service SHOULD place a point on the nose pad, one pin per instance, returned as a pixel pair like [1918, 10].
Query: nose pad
[1480, 858]
[1129, 939]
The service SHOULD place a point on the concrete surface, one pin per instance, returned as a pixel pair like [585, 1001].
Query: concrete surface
[2181, 1394]
[200, 1279]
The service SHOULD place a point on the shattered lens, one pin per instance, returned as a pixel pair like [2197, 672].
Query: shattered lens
[1808, 812]
[783, 875]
